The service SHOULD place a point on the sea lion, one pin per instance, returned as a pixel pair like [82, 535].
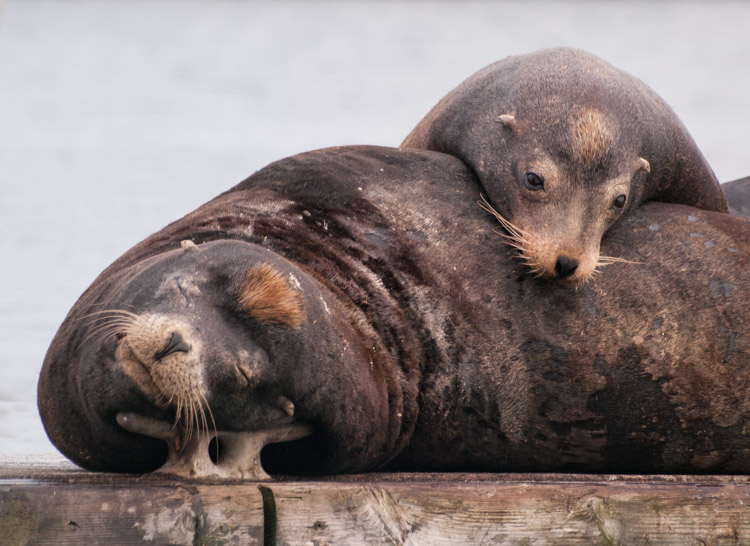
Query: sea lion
[737, 194]
[361, 291]
[564, 145]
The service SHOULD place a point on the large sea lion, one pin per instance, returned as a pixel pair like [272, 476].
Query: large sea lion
[363, 292]
[564, 144]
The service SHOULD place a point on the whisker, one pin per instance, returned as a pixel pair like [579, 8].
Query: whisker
[613, 259]
[111, 334]
[107, 321]
[100, 304]
[201, 423]
[161, 400]
[517, 238]
[188, 412]
[211, 415]
[178, 411]
[504, 221]
[106, 331]
[105, 313]
[194, 411]
[96, 328]
[110, 311]
[111, 323]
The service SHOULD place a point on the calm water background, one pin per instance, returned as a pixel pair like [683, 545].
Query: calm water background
[117, 117]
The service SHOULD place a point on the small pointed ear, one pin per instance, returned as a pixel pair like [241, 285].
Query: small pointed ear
[508, 120]
[643, 165]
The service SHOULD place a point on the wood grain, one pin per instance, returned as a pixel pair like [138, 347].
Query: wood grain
[508, 512]
[59, 504]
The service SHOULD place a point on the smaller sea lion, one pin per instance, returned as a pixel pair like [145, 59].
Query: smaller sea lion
[564, 144]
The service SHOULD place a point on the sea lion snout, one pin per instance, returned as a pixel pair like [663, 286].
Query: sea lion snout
[555, 243]
[568, 263]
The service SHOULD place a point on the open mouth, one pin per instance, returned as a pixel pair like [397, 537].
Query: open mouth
[214, 455]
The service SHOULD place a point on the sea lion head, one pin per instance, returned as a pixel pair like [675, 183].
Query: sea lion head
[556, 192]
[563, 144]
[211, 339]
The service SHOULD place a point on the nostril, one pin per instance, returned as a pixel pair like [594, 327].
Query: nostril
[174, 345]
[565, 266]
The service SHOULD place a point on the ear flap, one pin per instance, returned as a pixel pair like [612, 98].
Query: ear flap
[508, 120]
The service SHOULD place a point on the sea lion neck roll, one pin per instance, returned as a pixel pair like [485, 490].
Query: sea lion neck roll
[564, 144]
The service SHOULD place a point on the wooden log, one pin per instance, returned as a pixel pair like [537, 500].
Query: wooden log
[59, 504]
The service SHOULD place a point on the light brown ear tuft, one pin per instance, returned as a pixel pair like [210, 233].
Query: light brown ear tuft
[268, 298]
[592, 137]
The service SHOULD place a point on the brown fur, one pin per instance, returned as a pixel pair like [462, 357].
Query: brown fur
[269, 299]
[592, 138]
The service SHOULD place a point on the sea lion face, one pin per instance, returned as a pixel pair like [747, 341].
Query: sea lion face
[195, 347]
[558, 191]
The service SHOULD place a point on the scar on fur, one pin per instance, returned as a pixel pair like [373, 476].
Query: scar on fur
[268, 298]
[592, 138]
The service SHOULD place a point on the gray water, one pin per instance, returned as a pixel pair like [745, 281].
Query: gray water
[117, 117]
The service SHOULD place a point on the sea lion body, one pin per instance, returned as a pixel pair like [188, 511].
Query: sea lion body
[401, 324]
[564, 144]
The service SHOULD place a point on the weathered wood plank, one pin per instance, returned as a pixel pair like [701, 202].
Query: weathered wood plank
[510, 512]
[60, 504]
[229, 514]
[58, 513]
[128, 513]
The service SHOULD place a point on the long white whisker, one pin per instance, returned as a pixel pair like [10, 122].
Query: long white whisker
[108, 313]
[516, 238]
[606, 260]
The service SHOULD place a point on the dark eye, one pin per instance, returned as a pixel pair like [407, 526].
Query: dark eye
[533, 182]
[619, 203]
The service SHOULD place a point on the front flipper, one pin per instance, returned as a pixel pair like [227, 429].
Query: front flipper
[236, 454]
